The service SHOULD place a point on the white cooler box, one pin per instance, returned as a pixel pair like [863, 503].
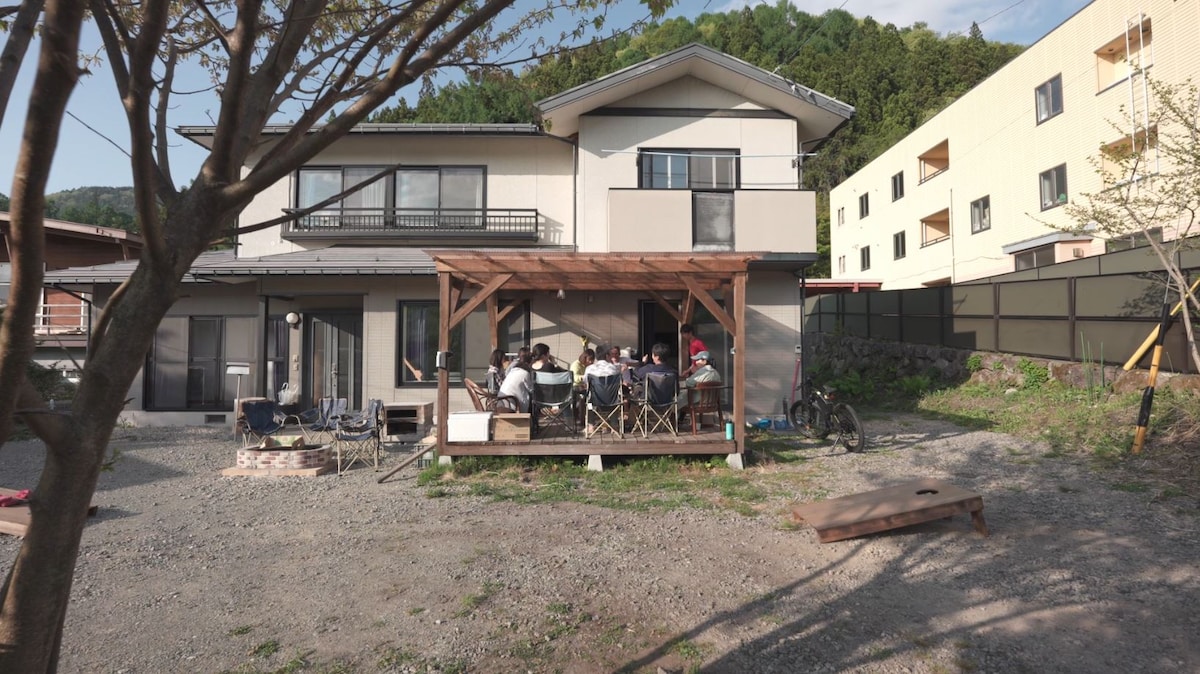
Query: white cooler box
[468, 427]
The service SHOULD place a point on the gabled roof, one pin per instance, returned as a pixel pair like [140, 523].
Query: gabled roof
[819, 113]
[82, 231]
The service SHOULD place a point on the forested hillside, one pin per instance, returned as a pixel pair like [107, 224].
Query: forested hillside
[103, 206]
[896, 78]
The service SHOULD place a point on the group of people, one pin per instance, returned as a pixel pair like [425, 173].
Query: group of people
[512, 379]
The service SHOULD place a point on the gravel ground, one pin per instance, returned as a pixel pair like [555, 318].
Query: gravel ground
[187, 571]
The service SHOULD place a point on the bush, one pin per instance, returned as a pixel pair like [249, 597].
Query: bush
[1034, 375]
[974, 362]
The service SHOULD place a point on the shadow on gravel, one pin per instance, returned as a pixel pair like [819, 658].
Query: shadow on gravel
[130, 471]
[1057, 587]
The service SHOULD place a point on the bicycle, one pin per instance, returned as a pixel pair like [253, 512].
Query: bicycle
[817, 413]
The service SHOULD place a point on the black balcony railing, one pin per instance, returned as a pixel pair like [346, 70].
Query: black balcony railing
[417, 222]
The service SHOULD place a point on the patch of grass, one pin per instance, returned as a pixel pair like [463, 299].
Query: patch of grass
[394, 658]
[473, 601]
[1132, 487]
[416, 610]
[688, 650]
[437, 492]
[265, 649]
[240, 630]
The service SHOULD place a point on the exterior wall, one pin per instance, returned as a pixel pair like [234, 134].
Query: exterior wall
[522, 172]
[998, 149]
[608, 161]
[773, 323]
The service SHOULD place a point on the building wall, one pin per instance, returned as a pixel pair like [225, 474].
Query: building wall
[522, 172]
[997, 149]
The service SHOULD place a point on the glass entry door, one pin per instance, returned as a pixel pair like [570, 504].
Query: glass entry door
[335, 368]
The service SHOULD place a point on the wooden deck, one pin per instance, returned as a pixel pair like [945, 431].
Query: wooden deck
[561, 443]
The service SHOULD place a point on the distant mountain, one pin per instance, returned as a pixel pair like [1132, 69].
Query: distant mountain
[101, 206]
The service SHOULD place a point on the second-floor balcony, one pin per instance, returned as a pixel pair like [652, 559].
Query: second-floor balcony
[416, 223]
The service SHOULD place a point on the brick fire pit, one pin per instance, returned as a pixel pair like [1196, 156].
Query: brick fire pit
[282, 460]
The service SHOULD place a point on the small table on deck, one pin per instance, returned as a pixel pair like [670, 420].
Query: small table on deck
[905, 504]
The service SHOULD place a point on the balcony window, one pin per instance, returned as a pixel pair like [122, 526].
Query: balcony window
[1131, 157]
[898, 245]
[318, 184]
[935, 228]
[864, 205]
[445, 196]
[423, 197]
[898, 186]
[864, 258]
[688, 169]
[981, 215]
[1049, 99]
[1053, 186]
[1125, 54]
[1034, 257]
[935, 160]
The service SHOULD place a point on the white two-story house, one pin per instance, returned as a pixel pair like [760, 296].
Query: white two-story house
[692, 151]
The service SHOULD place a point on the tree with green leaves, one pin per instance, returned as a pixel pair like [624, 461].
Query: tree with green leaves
[324, 65]
[1151, 187]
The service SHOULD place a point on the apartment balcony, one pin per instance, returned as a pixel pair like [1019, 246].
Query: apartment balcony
[488, 224]
[694, 220]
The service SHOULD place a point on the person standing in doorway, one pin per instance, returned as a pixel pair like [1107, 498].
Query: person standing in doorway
[694, 346]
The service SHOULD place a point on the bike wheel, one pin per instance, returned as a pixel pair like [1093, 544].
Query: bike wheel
[808, 420]
[850, 428]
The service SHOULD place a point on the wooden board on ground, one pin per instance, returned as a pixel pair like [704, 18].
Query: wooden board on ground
[14, 520]
[890, 508]
[279, 472]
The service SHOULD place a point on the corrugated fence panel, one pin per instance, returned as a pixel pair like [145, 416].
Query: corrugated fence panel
[1051, 339]
[1035, 298]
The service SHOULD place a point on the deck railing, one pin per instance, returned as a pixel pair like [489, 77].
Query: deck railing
[417, 222]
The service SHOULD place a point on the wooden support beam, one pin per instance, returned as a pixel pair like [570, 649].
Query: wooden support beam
[478, 298]
[443, 376]
[667, 306]
[503, 313]
[710, 304]
[739, 362]
[456, 290]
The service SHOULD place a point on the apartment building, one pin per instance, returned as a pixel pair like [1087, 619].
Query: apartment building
[979, 189]
[691, 152]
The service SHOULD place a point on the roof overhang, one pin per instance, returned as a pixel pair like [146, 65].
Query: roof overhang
[1043, 240]
[818, 114]
[203, 135]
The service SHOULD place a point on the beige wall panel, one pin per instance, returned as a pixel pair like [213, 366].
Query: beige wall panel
[687, 92]
[522, 172]
[774, 220]
[658, 220]
[997, 149]
[772, 333]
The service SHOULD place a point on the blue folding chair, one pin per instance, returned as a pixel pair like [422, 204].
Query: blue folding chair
[260, 419]
[605, 405]
[356, 437]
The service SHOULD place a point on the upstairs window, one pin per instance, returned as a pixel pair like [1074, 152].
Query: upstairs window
[936, 227]
[1125, 54]
[841, 264]
[898, 251]
[841, 215]
[684, 169]
[1049, 98]
[898, 186]
[981, 215]
[316, 184]
[1131, 157]
[440, 195]
[1053, 186]
[864, 206]
[864, 258]
[412, 197]
[935, 160]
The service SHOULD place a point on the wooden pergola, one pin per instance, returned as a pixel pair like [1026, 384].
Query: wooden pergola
[698, 275]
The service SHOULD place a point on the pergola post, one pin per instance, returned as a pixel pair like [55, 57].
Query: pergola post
[445, 308]
[739, 361]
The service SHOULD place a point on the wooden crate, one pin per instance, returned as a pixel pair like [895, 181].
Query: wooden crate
[509, 427]
[406, 422]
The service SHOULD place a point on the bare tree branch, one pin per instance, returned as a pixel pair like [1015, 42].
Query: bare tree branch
[19, 35]
[166, 187]
[219, 32]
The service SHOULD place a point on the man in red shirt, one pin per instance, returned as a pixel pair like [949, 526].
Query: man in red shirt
[694, 346]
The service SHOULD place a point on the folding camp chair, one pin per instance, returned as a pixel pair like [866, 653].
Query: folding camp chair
[259, 420]
[657, 408]
[605, 405]
[553, 402]
[356, 437]
[318, 424]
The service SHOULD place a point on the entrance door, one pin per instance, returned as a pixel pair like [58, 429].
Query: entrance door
[335, 368]
[656, 325]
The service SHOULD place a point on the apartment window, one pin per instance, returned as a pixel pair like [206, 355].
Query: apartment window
[1049, 98]
[841, 215]
[981, 215]
[1034, 257]
[935, 228]
[898, 245]
[898, 186]
[841, 264]
[684, 169]
[1136, 240]
[864, 205]
[1053, 186]
[185, 368]
[1125, 54]
[1131, 157]
[935, 160]
[864, 258]
[416, 364]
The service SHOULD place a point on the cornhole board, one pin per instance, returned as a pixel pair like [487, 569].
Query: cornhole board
[903, 505]
[14, 520]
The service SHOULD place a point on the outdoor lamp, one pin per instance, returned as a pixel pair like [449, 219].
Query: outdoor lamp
[292, 318]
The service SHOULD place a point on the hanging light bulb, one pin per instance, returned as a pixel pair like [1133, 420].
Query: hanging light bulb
[561, 294]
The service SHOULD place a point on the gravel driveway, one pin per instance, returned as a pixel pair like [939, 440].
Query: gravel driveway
[187, 571]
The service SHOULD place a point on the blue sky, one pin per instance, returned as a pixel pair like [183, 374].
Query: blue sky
[85, 158]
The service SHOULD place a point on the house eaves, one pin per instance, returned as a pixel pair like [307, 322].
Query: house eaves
[202, 135]
[819, 114]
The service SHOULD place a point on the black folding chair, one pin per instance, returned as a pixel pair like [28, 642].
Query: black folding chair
[553, 403]
[357, 437]
[605, 405]
[260, 419]
[658, 408]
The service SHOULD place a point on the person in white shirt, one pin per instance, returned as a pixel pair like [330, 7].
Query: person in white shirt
[603, 367]
[518, 383]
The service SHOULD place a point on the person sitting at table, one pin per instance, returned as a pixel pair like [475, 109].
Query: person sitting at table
[522, 352]
[603, 367]
[703, 372]
[581, 364]
[518, 383]
[658, 363]
[543, 361]
[497, 368]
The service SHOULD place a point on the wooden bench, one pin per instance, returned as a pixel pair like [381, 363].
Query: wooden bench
[903, 505]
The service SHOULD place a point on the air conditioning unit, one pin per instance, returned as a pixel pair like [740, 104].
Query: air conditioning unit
[1076, 252]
